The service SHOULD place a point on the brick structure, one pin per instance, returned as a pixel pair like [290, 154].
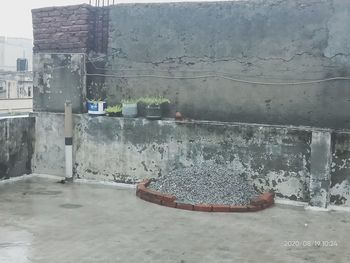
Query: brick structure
[261, 202]
[78, 28]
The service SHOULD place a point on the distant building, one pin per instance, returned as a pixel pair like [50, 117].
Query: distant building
[16, 85]
[16, 91]
[11, 89]
[16, 77]
[13, 48]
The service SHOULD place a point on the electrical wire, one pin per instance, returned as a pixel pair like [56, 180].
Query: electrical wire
[213, 75]
[223, 77]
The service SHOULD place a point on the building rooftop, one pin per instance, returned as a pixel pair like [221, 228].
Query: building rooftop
[44, 221]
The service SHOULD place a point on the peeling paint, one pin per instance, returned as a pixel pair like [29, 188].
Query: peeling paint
[340, 173]
[57, 78]
[129, 150]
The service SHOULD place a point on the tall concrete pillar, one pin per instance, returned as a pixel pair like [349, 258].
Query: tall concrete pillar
[68, 133]
[321, 159]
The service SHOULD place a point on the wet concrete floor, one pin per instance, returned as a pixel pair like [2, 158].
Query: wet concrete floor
[43, 221]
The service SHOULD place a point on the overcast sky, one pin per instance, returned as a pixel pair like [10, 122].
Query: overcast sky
[16, 18]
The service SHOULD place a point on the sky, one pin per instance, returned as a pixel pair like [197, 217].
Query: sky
[16, 18]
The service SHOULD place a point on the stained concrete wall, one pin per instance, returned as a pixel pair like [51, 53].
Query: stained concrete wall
[321, 158]
[189, 52]
[298, 163]
[49, 156]
[340, 169]
[57, 78]
[129, 150]
[16, 146]
[260, 41]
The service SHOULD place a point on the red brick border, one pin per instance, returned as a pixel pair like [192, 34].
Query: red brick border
[259, 203]
[203, 208]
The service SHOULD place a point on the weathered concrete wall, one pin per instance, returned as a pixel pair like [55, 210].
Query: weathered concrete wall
[340, 169]
[189, 51]
[16, 146]
[129, 150]
[215, 61]
[261, 41]
[298, 163]
[321, 158]
[57, 78]
[49, 156]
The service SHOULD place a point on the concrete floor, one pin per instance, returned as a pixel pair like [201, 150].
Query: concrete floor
[43, 221]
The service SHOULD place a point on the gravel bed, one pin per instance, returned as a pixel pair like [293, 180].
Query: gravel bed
[207, 183]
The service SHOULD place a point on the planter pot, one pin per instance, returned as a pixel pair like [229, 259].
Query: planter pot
[115, 114]
[96, 108]
[153, 112]
[130, 110]
[141, 109]
[165, 107]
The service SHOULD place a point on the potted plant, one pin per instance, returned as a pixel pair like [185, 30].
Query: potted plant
[155, 107]
[114, 111]
[141, 106]
[129, 108]
[96, 107]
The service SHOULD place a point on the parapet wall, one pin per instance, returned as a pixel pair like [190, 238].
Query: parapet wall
[16, 146]
[297, 163]
[294, 162]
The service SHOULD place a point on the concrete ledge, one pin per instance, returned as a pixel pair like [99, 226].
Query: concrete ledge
[261, 202]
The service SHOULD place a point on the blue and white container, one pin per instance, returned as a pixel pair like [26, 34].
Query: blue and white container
[97, 108]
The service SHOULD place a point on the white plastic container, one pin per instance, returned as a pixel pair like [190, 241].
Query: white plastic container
[129, 110]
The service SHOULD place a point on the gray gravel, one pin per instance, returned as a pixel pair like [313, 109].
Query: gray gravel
[207, 183]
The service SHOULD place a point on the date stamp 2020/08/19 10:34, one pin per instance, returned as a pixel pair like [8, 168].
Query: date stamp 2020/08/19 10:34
[310, 243]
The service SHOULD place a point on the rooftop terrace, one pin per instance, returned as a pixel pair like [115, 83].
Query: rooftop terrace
[261, 87]
[43, 221]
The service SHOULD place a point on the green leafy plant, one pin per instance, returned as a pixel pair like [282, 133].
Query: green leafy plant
[114, 109]
[154, 100]
[129, 101]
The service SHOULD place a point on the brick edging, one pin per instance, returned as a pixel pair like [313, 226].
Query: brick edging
[259, 203]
